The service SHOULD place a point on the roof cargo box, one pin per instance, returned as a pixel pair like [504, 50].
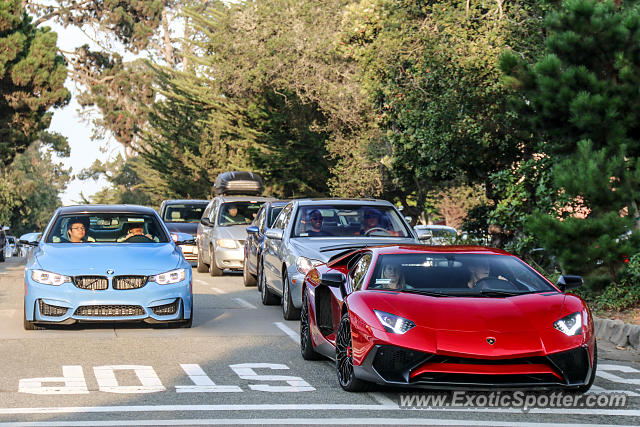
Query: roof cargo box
[238, 182]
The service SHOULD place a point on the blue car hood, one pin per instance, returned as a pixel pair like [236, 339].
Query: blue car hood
[323, 248]
[123, 258]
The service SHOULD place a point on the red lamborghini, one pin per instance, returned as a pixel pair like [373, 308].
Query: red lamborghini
[446, 317]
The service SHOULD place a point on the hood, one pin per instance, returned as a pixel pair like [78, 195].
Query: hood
[462, 325]
[124, 258]
[183, 227]
[235, 232]
[323, 248]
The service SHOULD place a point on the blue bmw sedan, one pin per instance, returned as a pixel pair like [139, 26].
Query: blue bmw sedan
[107, 263]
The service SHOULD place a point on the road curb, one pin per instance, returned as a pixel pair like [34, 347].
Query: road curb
[617, 332]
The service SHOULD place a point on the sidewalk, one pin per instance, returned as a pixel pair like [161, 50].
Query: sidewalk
[617, 333]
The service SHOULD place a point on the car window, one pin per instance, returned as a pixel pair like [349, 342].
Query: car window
[238, 212]
[259, 221]
[108, 228]
[207, 211]
[273, 214]
[184, 212]
[349, 220]
[359, 271]
[283, 216]
[457, 274]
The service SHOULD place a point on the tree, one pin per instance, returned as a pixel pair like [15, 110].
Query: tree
[32, 79]
[579, 100]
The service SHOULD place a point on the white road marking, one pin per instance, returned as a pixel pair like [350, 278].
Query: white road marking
[287, 330]
[311, 407]
[217, 290]
[72, 377]
[202, 382]
[107, 381]
[602, 373]
[303, 421]
[246, 372]
[597, 390]
[245, 304]
[381, 398]
[202, 282]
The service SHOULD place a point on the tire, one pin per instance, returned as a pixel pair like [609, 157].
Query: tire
[268, 297]
[259, 279]
[306, 344]
[289, 312]
[248, 278]
[344, 359]
[2, 255]
[213, 268]
[202, 267]
[29, 326]
[585, 388]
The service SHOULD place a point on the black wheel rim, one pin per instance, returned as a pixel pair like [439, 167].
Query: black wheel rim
[304, 323]
[344, 362]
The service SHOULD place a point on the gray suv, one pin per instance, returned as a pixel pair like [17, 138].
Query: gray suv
[222, 231]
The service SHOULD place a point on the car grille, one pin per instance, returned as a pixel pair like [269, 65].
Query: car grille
[395, 363]
[93, 283]
[166, 309]
[129, 282]
[109, 310]
[51, 310]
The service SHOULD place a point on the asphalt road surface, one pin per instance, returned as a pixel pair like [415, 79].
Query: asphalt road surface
[240, 364]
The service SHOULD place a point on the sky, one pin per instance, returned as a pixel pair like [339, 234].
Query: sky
[68, 122]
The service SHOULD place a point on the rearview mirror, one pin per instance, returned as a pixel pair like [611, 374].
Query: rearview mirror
[566, 282]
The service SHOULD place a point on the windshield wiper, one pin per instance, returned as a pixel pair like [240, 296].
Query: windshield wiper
[424, 292]
[499, 293]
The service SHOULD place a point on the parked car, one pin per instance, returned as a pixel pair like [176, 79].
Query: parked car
[254, 243]
[3, 241]
[446, 317]
[310, 231]
[112, 274]
[223, 230]
[27, 248]
[183, 216]
[11, 246]
[440, 234]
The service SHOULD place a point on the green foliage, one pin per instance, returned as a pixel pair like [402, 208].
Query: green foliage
[32, 79]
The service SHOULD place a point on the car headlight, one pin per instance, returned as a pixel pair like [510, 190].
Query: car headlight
[173, 276]
[393, 323]
[227, 243]
[49, 278]
[305, 265]
[570, 325]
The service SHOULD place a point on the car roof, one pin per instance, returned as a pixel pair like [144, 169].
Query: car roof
[88, 209]
[244, 198]
[338, 201]
[184, 201]
[453, 249]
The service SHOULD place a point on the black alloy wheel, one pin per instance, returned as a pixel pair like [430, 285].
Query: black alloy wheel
[289, 312]
[306, 344]
[268, 298]
[344, 359]
[213, 268]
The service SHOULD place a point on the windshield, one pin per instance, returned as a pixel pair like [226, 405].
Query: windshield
[107, 228]
[236, 213]
[349, 221]
[189, 212]
[456, 274]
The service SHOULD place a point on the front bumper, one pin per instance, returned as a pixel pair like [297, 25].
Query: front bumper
[392, 365]
[66, 304]
[232, 259]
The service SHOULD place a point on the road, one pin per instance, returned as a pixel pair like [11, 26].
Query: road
[239, 364]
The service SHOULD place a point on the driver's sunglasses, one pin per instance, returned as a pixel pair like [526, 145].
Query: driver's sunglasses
[316, 218]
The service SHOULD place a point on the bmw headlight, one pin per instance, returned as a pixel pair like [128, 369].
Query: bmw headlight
[393, 323]
[227, 243]
[570, 325]
[173, 276]
[49, 278]
[305, 265]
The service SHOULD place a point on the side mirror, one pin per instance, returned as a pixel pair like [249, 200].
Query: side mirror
[274, 233]
[566, 282]
[252, 229]
[205, 221]
[28, 242]
[424, 235]
[408, 219]
[334, 279]
[183, 239]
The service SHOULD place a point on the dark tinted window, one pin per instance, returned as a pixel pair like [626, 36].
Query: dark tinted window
[234, 213]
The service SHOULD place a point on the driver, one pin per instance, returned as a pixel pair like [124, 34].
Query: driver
[373, 221]
[479, 269]
[135, 230]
